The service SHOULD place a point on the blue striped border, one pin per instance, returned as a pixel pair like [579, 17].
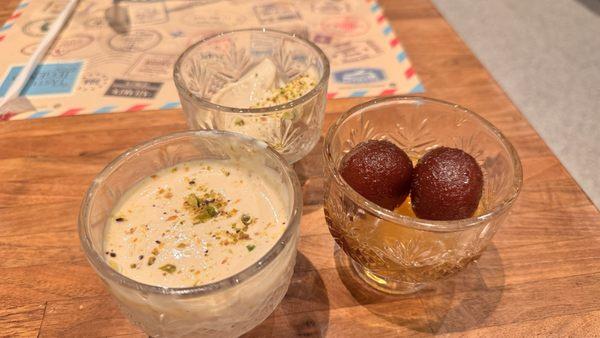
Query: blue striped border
[170, 105]
[358, 93]
[6, 26]
[418, 89]
[401, 56]
[105, 109]
[39, 114]
[387, 30]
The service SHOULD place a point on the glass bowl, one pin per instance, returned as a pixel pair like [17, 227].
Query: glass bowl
[203, 69]
[229, 307]
[395, 253]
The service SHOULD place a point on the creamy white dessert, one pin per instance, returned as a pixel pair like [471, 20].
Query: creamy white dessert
[250, 88]
[194, 223]
[262, 86]
[286, 130]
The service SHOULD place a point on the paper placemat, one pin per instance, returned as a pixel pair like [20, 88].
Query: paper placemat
[93, 69]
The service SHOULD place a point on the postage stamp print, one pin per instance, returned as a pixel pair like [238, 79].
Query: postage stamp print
[137, 89]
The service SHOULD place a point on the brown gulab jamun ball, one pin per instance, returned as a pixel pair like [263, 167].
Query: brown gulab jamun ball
[446, 185]
[379, 171]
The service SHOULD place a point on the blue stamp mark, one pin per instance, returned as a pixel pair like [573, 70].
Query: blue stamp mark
[359, 75]
[6, 26]
[49, 78]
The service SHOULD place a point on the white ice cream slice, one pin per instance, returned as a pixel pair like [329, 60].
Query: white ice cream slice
[250, 88]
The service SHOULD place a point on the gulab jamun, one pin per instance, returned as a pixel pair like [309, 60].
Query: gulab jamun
[446, 185]
[379, 171]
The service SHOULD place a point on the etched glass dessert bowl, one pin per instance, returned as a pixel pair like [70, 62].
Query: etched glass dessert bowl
[226, 307]
[262, 83]
[399, 253]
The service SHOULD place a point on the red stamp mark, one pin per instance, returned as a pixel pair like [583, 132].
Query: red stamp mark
[346, 25]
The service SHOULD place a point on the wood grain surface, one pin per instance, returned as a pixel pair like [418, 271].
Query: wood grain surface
[540, 276]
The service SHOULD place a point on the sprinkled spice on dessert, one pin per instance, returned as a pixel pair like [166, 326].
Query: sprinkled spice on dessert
[194, 226]
[261, 87]
[289, 92]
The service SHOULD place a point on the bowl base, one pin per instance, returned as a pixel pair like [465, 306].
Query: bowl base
[384, 284]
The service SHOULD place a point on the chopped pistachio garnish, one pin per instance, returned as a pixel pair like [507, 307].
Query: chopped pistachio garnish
[288, 115]
[232, 237]
[232, 212]
[168, 268]
[239, 122]
[114, 265]
[163, 249]
[205, 207]
[246, 219]
[192, 201]
[289, 92]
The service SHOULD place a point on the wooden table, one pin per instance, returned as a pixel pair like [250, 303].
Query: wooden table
[540, 276]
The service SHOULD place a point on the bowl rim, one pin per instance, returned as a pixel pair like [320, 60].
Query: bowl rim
[184, 90]
[106, 272]
[413, 222]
